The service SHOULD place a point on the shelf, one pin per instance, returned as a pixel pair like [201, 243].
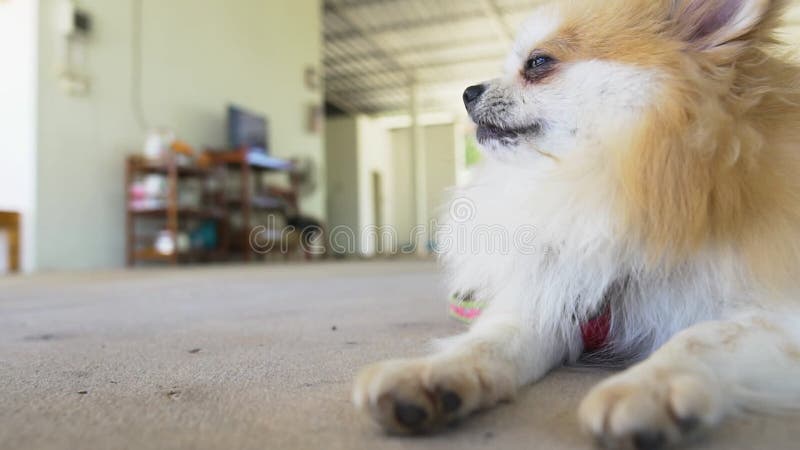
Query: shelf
[162, 168]
[150, 254]
[217, 207]
[262, 203]
[262, 163]
[185, 212]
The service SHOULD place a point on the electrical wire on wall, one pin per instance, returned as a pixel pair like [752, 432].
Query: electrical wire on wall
[136, 66]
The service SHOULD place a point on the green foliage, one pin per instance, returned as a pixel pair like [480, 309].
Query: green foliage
[473, 152]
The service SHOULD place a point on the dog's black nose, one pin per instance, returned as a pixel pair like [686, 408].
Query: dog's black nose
[472, 94]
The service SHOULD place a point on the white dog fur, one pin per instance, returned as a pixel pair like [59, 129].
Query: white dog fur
[708, 339]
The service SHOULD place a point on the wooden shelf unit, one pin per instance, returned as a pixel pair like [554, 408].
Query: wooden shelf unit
[249, 200]
[251, 196]
[10, 223]
[172, 214]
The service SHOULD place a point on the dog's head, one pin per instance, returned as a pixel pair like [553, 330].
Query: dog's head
[677, 110]
[583, 71]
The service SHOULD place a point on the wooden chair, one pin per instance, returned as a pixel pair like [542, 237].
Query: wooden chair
[9, 222]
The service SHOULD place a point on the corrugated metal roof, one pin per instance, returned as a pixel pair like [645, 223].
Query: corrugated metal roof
[375, 48]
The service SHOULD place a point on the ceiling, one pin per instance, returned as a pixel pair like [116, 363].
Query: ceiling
[376, 49]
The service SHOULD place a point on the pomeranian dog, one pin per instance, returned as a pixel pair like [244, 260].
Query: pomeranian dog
[654, 146]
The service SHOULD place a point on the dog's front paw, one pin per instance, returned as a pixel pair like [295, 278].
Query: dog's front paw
[421, 395]
[650, 408]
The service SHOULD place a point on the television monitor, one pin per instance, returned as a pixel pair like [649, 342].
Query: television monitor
[247, 129]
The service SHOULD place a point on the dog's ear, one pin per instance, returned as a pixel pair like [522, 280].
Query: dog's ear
[719, 25]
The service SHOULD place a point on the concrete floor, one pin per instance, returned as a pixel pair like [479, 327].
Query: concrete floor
[257, 357]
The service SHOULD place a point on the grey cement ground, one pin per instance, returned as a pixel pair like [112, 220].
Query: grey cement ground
[248, 358]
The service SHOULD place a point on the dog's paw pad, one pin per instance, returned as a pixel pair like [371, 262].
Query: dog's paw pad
[649, 410]
[688, 425]
[395, 395]
[649, 440]
[417, 396]
[450, 402]
[409, 416]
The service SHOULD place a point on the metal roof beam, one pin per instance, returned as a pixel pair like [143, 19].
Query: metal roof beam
[409, 26]
[486, 10]
[495, 15]
[353, 58]
[394, 88]
[358, 3]
[348, 76]
[364, 35]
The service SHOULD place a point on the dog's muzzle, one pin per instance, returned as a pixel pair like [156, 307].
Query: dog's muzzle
[471, 96]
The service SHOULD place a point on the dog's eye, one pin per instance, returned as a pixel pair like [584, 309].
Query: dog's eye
[538, 67]
[538, 61]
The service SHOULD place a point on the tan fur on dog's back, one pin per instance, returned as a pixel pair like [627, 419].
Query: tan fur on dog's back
[717, 164]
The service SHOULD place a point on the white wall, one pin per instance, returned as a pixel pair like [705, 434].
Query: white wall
[404, 212]
[341, 154]
[444, 160]
[18, 52]
[355, 148]
[197, 56]
[441, 146]
[375, 156]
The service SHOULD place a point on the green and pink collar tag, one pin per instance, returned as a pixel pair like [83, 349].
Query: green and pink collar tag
[464, 307]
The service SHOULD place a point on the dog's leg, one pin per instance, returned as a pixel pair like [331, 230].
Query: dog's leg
[702, 375]
[472, 371]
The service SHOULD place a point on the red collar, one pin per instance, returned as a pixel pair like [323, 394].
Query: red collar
[595, 331]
